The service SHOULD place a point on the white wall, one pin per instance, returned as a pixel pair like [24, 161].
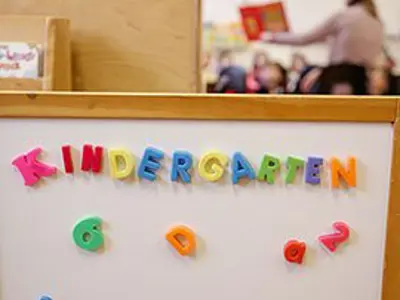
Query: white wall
[303, 15]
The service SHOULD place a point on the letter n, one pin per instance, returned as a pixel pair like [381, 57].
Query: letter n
[92, 158]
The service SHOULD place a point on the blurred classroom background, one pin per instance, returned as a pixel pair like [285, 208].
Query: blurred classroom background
[225, 42]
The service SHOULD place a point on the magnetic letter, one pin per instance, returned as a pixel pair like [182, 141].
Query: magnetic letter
[31, 169]
[241, 168]
[269, 166]
[183, 239]
[212, 166]
[333, 240]
[150, 164]
[87, 234]
[294, 251]
[293, 164]
[313, 170]
[67, 158]
[92, 160]
[122, 163]
[181, 163]
[338, 171]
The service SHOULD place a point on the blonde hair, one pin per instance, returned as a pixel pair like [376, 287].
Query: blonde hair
[369, 6]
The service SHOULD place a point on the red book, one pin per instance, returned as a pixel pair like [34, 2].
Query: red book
[252, 20]
[269, 17]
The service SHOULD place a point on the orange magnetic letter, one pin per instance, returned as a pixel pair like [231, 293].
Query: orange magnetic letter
[183, 239]
[349, 175]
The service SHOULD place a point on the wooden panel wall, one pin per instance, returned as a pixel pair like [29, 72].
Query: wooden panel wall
[127, 45]
[53, 34]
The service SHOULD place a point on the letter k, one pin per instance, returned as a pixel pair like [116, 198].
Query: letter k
[31, 169]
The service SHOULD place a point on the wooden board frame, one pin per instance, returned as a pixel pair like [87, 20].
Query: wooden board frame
[233, 107]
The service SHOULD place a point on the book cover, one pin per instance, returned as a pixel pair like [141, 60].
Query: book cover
[224, 36]
[274, 18]
[252, 21]
[257, 19]
[20, 60]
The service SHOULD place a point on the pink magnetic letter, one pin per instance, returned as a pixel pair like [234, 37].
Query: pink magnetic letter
[31, 169]
[333, 240]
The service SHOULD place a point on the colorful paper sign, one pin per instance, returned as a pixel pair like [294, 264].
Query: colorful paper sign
[224, 36]
[20, 60]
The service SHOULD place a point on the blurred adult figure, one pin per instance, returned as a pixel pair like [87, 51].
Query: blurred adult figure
[357, 41]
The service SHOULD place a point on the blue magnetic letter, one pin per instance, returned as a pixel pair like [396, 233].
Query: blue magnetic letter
[241, 168]
[150, 163]
[313, 170]
[181, 163]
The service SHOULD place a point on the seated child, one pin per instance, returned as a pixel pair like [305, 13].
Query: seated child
[273, 79]
[231, 79]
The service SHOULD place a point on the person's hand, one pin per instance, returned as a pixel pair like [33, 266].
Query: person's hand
[267, 37]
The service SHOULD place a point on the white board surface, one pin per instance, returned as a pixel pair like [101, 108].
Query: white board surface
[241, 230]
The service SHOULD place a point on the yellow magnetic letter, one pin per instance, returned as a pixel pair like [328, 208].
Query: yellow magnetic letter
[211, 166]
[122, 163]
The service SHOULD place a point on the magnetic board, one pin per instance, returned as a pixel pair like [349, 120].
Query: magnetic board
[240, 231]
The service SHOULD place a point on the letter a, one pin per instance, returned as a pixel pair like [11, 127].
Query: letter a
[31, 169]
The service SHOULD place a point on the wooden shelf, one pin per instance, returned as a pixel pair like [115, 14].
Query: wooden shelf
[54, 36]
[21, 84]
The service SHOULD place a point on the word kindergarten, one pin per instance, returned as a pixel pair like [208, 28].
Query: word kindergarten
[211, 166]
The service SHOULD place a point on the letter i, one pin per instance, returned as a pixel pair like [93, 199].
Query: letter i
[67, 158]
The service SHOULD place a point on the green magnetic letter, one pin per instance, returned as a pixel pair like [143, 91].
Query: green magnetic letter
[293, 164]
[87, 234]
[269, 166]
